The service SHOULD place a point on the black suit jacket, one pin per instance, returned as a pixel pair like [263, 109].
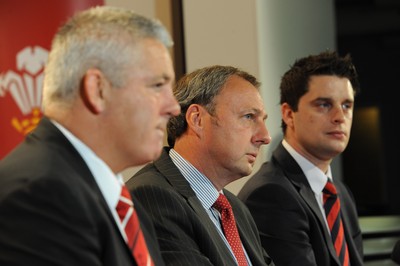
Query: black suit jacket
[291, 225]
[52, 211]
[186, 234]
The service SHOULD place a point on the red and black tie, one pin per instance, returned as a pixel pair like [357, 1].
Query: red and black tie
[332, 212]
[130, 222]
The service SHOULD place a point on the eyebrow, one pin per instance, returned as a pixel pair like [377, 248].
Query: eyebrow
[326, 99]
[258, 112]
[162, 76]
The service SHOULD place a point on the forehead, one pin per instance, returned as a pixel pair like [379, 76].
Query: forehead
[151, 56]
[329, 86]
[238, 92]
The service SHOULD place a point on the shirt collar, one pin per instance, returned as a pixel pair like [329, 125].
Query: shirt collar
[108, 182]
[315, 177]
[201, 185]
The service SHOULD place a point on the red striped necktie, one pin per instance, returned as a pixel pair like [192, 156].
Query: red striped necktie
[230, 229]
[332, 212]
[130, 223]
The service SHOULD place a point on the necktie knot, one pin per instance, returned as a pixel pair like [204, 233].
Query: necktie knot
[222, 203]
[124, 206]
[330, 188]
[125, 193]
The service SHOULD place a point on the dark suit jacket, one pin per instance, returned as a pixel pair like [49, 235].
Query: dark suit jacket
[291, 225]
[186, 234]
[52, 211]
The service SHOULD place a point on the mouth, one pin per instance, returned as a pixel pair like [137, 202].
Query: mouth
[252, 157]
[338, 134]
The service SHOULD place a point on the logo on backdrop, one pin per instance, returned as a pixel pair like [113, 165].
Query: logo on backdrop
[25, 87]
[26, 32]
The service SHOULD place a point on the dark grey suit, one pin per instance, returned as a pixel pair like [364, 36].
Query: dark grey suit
[52, 211]
[290, 221]
[185, 232]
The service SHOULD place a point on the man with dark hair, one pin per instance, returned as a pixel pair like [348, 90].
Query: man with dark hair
[306, 217]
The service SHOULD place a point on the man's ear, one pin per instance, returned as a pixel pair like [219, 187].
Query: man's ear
[287, 114]
[194, 116]
[92, 90]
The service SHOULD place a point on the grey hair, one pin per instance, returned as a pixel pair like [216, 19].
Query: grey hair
[101, 37]
[201, 87]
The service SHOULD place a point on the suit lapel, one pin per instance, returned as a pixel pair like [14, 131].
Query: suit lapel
[49, 133]
[165, 165]
[296, 176]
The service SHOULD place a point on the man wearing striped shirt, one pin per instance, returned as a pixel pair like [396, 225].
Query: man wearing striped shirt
[214, 142]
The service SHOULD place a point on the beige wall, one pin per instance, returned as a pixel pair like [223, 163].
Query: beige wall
[144, 7]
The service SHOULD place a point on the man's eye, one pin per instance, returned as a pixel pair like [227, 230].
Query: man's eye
[325, 105]
[347, 106]
[158, 85]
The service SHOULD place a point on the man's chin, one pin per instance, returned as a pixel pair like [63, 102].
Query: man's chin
[247, 172]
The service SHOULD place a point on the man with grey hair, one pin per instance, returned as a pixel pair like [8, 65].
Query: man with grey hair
[213, 142]
[107, 99]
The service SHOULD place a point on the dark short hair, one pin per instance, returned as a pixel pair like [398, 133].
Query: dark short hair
[295, 81]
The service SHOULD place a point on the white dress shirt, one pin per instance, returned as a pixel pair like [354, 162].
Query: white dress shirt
[109, 183]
